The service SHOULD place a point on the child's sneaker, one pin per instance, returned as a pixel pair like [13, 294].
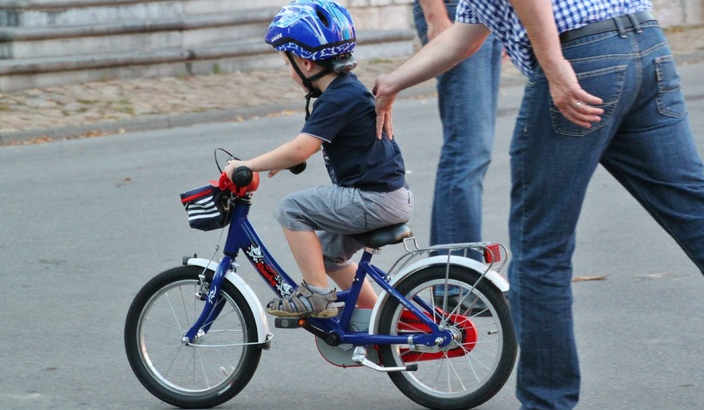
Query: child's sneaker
[304, 302]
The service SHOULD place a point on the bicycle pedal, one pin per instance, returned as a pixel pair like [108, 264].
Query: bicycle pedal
[288, 322]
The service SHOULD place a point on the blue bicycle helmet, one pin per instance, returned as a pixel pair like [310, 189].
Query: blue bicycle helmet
[313, 29]
[316, 30]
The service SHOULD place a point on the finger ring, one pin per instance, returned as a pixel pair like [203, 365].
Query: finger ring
[578, 103]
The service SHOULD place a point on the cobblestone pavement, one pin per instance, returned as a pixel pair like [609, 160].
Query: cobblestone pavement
[120, 100]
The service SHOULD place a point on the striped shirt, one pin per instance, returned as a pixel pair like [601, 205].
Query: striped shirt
[501, 19]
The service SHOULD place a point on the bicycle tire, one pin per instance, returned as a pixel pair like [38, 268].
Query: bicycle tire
[145, 357]
[494, 320]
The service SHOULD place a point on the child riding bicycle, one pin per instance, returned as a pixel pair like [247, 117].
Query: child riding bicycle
[316, 38]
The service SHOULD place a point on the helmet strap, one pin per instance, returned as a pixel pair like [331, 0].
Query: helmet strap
[313, 91]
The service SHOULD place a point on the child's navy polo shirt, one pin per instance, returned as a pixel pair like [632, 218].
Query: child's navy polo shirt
[344, 118]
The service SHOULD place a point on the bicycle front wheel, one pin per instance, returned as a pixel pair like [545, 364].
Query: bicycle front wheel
[476, 364]
[205, 373]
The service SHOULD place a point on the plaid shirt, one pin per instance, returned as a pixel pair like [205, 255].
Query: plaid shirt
[501, 19]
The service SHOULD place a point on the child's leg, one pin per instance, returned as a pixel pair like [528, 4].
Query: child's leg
[308, 253]
[312, 297]
[344, 277]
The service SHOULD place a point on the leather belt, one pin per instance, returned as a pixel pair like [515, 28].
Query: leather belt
[620, 24]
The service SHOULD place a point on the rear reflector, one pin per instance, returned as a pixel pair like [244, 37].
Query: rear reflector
[492, 253]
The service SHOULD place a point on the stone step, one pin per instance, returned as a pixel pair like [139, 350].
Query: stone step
[241, 55]
[181, 32]
[62, 13]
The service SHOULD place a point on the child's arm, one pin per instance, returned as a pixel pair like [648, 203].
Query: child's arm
[284, 156]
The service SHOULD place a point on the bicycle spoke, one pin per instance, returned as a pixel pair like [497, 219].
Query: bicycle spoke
[459, 379]
[195, 301]
[474, 371]
[476, 360]
[432, 301]
[168, 369]
[463, 321]
[449, 382]
[471, 366]
[437, 377]
[472, 344]
[183, 302]
[202, 366]
[173, 312]
[194, 367]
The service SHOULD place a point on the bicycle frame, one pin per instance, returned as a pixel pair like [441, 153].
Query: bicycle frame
[241, 235]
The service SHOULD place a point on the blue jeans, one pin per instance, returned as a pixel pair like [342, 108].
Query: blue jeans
[643, 140]
[468, 136]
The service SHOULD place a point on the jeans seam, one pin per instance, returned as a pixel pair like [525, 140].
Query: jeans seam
[450, 111]
[623, 56]
[639, 69]
[652, 49]
[600, 71]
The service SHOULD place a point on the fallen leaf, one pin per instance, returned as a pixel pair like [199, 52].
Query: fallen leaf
[588, 278]
[123, 182]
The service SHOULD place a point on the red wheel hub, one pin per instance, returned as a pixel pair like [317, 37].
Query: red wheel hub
[461, 324]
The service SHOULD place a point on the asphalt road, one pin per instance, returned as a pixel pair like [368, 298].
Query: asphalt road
[85, 223]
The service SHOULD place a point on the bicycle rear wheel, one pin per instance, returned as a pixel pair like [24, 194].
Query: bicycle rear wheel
[205, 373]
[476, 364]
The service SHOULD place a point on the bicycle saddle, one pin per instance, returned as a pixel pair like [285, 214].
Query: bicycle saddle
[384, 236]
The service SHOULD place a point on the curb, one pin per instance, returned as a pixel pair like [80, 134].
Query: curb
[510, 91]
[165, 121]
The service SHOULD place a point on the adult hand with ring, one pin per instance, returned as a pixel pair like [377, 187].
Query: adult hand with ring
[568, 96]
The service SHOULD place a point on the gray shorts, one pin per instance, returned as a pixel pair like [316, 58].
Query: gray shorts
[337, 212]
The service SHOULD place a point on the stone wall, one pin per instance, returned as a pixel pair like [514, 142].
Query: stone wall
[380, 14]
[679, 13]
[396, 14]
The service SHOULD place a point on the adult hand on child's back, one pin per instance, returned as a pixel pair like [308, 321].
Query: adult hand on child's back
[384, 102]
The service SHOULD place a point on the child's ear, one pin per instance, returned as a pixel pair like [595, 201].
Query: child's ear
[308, 65]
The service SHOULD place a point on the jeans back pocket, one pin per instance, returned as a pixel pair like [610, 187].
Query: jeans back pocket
[669, 96]
[605, 83]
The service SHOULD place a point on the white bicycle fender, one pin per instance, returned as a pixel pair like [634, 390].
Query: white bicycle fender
[492, 276]
[264, 335]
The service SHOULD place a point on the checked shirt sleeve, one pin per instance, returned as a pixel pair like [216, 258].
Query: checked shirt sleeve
[465, 14]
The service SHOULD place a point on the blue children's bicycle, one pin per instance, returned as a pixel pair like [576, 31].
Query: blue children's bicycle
[440, 328]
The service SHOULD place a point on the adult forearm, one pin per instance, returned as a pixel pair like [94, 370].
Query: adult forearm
[538, 19]
[444, 52]
[433, 9]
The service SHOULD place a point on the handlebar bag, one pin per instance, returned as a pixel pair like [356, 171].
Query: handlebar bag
[207, 208]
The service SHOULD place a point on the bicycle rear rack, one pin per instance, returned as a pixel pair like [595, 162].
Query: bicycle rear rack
[491, 252]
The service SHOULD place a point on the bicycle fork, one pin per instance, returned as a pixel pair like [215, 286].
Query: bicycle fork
[212, 308]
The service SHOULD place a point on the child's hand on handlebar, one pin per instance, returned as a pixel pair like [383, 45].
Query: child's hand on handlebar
[232, 165]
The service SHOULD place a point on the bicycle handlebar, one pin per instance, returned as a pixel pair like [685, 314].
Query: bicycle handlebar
[242, 176]
[297, 169]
